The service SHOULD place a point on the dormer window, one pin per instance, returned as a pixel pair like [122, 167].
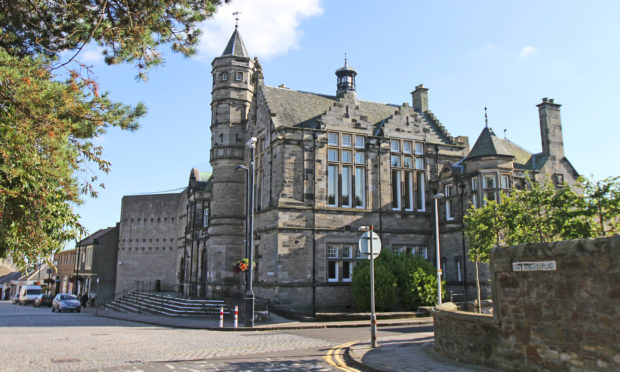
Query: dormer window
[239, 76]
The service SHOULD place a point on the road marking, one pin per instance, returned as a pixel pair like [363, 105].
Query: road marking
[334, 357]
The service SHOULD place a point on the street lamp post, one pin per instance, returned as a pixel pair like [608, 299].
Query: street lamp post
[437, 197]
[371, 251]
[248, 298]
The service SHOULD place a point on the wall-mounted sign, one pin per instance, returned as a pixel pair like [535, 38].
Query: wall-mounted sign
[534, 266]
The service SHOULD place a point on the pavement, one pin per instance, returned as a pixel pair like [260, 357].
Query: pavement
[406, 352]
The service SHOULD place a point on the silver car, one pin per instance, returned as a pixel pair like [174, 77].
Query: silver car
[66, 302]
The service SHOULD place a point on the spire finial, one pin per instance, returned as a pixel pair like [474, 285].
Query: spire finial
[505, 133]
[486, 118]
[236, 14]
[345, 58]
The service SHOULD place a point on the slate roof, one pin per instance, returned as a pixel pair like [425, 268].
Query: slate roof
[488, 144]
[91, 239]
[295, 108]
[235, 46]
[302, 109]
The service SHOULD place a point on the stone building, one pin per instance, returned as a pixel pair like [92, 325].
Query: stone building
[149, 241]
[96, 264]
[324, 166]
[327, 164]
[494, 165]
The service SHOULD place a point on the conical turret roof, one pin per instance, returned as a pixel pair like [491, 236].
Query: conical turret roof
[235, 46]
[488, 144]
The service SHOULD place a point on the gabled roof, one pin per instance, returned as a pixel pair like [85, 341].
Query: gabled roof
[235, 46]
[294, 108]
[91, 239]
[488, 144]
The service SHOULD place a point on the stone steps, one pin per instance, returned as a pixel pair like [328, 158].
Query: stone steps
[153, 303]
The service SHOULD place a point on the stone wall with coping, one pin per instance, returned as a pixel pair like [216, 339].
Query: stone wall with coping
[559, 319]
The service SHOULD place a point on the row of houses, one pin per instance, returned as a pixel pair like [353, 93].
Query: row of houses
[324, 165]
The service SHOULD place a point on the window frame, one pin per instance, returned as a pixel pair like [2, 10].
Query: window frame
[343, 173]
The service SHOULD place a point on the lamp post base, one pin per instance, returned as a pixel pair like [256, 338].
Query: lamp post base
[248, 304]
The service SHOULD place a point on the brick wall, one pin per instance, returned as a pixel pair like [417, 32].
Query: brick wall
[562, 319]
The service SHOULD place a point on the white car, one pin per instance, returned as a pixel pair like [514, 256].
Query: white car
[66, 302]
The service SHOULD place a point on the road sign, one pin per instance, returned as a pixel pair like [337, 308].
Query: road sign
[364, 244]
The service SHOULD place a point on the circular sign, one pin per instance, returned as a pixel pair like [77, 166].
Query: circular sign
[364, 245]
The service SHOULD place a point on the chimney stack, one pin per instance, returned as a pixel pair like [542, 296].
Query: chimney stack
[551, 129]
[420, 98]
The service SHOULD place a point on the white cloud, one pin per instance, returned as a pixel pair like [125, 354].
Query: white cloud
[267, 27]
[526, 51]
[91, 56]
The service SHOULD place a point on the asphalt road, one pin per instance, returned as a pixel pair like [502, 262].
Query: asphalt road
[37, 339]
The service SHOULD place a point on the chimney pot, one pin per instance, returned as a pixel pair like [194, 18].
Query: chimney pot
[545, 100]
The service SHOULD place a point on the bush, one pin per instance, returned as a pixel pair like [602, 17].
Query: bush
[385, 286]
[409, 277]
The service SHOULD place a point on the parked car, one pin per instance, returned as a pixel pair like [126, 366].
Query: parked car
[29, 293]
[44, 300]
[66, 302]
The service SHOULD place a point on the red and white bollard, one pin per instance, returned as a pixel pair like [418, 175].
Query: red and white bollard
[236, 316]
[222, 317]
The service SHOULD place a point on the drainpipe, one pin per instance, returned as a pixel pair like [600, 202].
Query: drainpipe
[314, 135]
[462, 187]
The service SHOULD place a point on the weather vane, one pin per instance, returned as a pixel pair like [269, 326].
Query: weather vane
[236, 14]
[486, 118]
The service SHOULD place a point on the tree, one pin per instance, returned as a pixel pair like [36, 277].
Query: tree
[542, 213]
[602, 203]
[482, 230]
[51, 109]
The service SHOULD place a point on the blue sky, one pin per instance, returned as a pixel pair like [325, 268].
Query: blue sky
[506, 55]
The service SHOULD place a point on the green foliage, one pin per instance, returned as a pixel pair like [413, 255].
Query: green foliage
[404, 276]
[385, 286]
[602, 204]
[128, 31]
[48, 123]
[419, 287]
[543, 213]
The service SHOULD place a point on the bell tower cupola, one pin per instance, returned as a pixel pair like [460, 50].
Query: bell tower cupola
[346, 79]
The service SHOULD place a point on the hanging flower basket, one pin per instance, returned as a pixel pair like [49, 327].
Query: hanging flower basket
[49, 280]
[241, 265]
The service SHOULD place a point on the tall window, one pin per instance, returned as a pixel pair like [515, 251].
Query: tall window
[340, 262]
[420, 192]
[346, 171]
[504, 181]
[489, 183]
[448, 201]
[332, 263]
[407, 172]
[459, 269]
[474, 192]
